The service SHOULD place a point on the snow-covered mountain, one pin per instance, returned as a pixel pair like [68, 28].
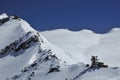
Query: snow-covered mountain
[26, 55]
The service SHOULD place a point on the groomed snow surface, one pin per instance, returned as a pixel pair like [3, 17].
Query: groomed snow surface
[26, 55]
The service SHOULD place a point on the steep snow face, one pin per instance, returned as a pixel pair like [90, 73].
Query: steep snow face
[17, 55]
[13, 30]
[82, 44]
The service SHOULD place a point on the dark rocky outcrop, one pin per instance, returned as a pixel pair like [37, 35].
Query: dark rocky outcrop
[2, 21]
[54, 69]
[19, 45]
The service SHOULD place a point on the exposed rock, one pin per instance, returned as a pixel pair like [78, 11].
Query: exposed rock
[18, 45]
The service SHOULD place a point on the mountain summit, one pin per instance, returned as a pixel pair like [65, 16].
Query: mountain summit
[23, 48]
[26, 55]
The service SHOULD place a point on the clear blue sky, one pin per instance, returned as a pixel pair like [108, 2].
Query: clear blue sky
[97, 15]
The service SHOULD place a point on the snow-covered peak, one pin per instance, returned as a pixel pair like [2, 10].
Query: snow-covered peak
[26, 48]
[12, 30]
[3, 15]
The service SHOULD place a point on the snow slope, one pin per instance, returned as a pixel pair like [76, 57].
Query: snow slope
[21, 45]
[26, 55]
[82, 44]
[13, 30]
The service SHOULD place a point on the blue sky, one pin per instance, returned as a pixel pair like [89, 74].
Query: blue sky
[97, 15]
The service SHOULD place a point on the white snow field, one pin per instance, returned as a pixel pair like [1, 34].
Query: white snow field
[82, 44]
[26, 55]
